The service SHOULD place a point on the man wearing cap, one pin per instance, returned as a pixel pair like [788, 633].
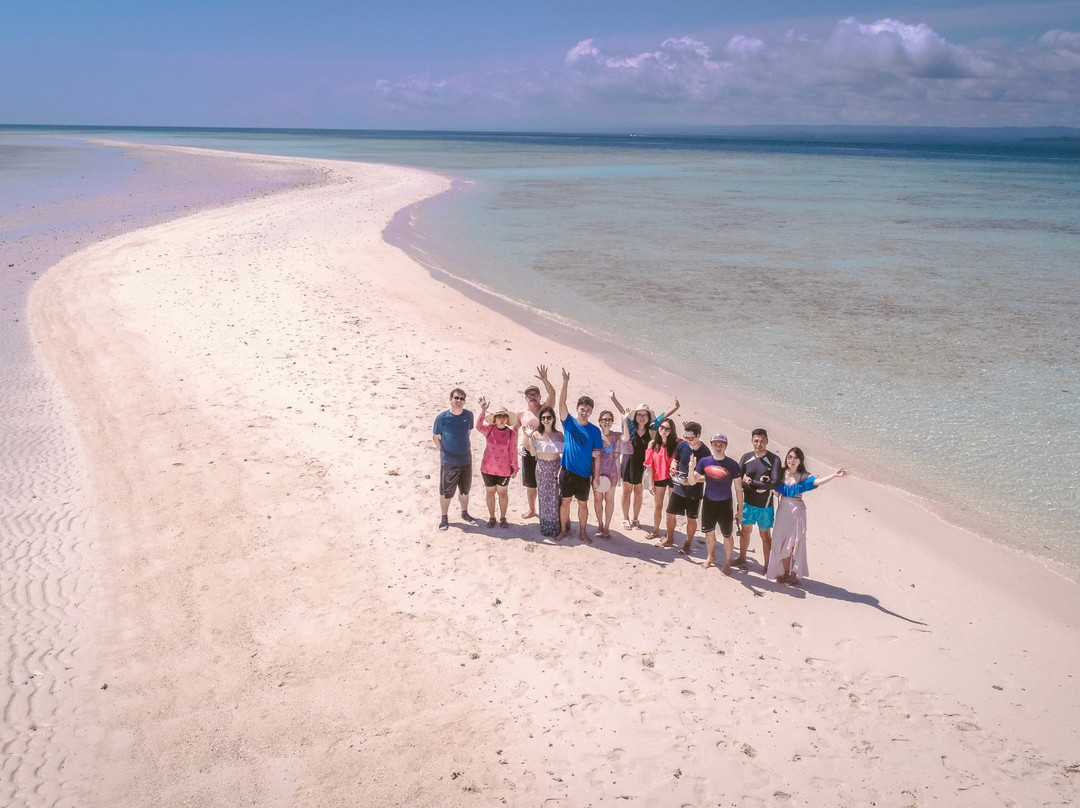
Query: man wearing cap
[760, 471]
[583, 443]
[451, 437]
[722, 485]
[685, 499]
[529, 419]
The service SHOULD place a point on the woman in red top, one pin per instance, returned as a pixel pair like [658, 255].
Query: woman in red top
[500, 461]
[658, 463]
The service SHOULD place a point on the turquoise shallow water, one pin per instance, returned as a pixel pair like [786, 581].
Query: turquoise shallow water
[913, 299]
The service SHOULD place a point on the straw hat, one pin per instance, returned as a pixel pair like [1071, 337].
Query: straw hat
[513, 419]
[633, 413]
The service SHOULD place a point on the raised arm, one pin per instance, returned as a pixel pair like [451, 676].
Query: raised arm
[541, 374]
[563, 412]
[820, 481]
[482, 414]
[621, 409]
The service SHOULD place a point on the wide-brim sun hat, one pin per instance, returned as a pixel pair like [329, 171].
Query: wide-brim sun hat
[512, 416]
[639, 408]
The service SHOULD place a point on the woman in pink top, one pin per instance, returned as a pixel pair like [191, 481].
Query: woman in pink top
[500, 461]
[658, 464]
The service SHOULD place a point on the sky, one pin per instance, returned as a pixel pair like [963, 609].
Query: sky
[561, 65]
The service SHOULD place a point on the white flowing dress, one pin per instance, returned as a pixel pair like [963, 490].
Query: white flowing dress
[789, 530]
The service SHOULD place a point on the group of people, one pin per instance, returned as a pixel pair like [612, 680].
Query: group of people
[582, 461]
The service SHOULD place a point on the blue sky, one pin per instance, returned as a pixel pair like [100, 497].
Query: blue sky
[540, 65]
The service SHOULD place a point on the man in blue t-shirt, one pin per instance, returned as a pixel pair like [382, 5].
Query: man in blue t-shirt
[451, 437]
[685, 499]
[580, 462]
[722, 485]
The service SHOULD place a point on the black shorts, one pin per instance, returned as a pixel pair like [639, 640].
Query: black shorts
[453, 479]
[528, 470]
[679, 505]
[717, 512]
[494, 480]
[574, 485]
[662, 483]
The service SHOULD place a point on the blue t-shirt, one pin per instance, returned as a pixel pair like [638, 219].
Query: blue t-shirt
[718, 489]
[580, 442]
[454, 431]
[684, 456]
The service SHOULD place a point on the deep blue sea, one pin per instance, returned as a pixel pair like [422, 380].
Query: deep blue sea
[910, 296]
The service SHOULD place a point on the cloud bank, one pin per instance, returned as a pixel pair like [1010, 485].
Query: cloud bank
[883, 72]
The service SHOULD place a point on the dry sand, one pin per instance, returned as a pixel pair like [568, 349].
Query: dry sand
[271, 618]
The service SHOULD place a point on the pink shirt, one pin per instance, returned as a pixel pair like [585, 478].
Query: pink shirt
[658, 461]
[500, 454]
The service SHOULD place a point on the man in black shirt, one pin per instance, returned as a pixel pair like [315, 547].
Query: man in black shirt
[760, 470]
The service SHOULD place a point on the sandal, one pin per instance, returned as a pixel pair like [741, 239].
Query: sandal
[491, 522]
[503, 522]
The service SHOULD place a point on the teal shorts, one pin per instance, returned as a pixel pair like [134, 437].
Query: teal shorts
[762, 517]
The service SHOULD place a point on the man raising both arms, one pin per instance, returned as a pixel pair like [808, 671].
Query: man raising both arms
[529, 419]
[580, 461]
[760, 471]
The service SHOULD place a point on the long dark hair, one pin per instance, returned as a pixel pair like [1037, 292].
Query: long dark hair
[802, 459]
[670, 442]
[554, 421]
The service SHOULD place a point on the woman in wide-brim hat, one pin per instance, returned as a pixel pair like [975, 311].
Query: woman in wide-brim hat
[500, 461]
[641, 424]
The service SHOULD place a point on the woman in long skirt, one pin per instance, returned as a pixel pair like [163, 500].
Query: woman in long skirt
[546, 443]
[788, 564]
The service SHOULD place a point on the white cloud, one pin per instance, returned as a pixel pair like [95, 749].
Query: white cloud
[885, 71]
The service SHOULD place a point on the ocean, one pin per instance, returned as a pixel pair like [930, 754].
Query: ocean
[907, 296]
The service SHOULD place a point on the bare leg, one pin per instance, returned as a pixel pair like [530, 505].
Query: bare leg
[583, 521]
[638, 496]
[626, 489]
[610, 513]
[504, 500]
[729, 549]
[744, 542]
[444, 504]
[669, 539]
[490, 494]
[530, 494]
[564, 519]
[710, 550]
[658, 510]
[766, 544]
[691, 529]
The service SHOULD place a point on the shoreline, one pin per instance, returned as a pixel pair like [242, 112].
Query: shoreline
[741, 414]
[228, 410]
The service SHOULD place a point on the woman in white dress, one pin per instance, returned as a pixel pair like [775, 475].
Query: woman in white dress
[787, 564]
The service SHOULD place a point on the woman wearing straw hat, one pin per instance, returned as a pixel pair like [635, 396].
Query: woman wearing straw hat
[641, 423]
[500, 461]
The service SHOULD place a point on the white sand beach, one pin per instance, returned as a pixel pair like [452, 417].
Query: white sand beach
[267, 614]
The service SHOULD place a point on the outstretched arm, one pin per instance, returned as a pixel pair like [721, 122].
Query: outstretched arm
[563, 412]
[541, 374]
[820, 481]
